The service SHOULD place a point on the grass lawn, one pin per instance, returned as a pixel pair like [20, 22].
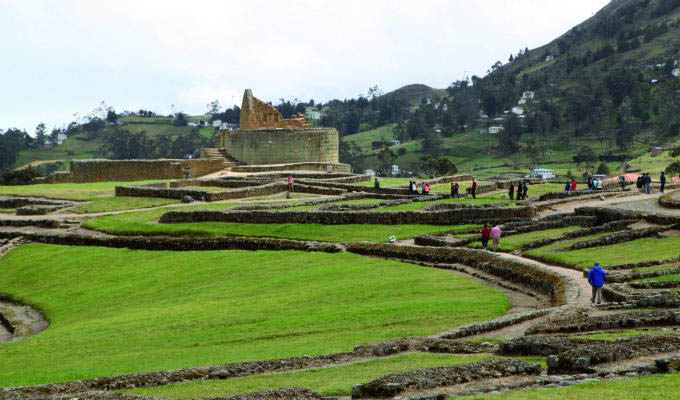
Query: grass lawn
[331, 381]
[653, 387]
[316, 206]
[655, 268]
[103, 204]
[639, 250]
[514, 242]
[480, 200]
[152, 310]
[68, 191]
[562, 245]
[662, 278]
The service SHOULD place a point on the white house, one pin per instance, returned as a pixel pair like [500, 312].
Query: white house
[522, 101]
[543, 173]
[216, 123]
[517, 110]
[312, 114]
[394, 143]
[192, 124]
[495, 130]
[549, 58]
[60, 138]
[676, 72]
[528, 95]
[395, 169]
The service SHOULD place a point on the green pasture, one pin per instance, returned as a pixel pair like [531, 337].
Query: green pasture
[117, 311]
[514, 242]
[69, 191]
[106, 204]
[653, 387]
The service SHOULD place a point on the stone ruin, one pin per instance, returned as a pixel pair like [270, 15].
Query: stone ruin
[266, 138]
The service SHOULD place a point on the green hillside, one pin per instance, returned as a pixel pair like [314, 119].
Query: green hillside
[86, 145]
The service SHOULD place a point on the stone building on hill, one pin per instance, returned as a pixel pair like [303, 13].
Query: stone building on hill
[266, 138]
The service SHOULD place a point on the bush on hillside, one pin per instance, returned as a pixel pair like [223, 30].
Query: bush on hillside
[603, 169]
[23, 176]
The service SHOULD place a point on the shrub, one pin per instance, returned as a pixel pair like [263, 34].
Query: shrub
[23, 176]
[603, 169]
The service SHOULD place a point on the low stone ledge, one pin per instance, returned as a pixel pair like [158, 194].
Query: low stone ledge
[620, 293]
[17, 202]
[7, 324]
[582, 358]
[446, 217]
[492, 325]
[42, 223]
[422, 344]
[581, 322]
[670, 200]
[541, 345]
[618, 237]
[656, 284]
[615, 277]
[428, 378]
[606, 214]
[176, 243]
[38, 209]
[278, 394]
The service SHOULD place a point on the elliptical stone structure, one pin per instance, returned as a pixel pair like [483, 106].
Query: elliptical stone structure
[266, 138]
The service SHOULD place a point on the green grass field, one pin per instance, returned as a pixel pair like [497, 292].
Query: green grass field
[654, 387]
[639, 250]
[116, 311]
[625, 334]
[562, 245]
[331, 381]
[69, 191]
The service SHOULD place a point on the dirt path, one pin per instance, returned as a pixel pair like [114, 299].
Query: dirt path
[572, 205]
[583, 298]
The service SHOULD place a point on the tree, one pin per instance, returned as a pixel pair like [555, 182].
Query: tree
[673, 168]
[214, 107]
[111, 116]
[180, 119]
[585, 155]
[40, 134]
[350, 153]
[387, 157]
[11, 143]
[428, 165]
[444, 167]
[603, 169]
[508, 138]
[432, 144]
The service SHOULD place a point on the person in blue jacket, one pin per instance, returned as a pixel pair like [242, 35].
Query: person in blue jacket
[596, 278]
[567, 187]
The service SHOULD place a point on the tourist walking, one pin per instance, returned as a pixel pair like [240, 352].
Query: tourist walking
[376, 186]
[452, 190]
[596, 278]
[511, 191]
[426, 189]
[525, 190]
[622, 180]
[662, 179]
[648, 183]
[595, 183]
[456, 190]
[486, 234]
[496, 237]
[519, 191]
[414, 188]
[473, 189]
[422, 188]
[567, 187]
[573, 184]
[290, 183]
[638, 183]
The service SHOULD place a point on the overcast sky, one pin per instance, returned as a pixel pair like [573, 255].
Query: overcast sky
[65, 57]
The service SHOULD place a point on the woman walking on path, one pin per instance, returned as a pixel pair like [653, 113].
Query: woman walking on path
[486, 234]
[474, 188]
[519, 191]
[511, 191]
[573, 184]
[496, 237]
[290, 183]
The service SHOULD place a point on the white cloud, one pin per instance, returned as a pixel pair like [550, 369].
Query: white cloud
[152, 54]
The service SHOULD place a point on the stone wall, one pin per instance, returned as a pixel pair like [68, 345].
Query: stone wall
[296, 166]
[446, 217]
[256, 114]
[282, 146]
[100, 170]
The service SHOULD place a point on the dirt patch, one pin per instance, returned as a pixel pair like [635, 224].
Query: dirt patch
[26, 320]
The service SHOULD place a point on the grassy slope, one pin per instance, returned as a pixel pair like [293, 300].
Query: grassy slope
[364, 139]
[640, 250]
[332, 381]
[654, 387]
[78, 147]
[164, 310]
[103, 204]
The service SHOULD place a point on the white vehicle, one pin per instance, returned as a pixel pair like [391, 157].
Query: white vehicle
[542, 173]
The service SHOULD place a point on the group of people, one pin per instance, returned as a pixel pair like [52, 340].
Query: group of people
[522, 190]
[455, 190]
[413, 188]
[644, 182]
[570, 186]
[594, 183]
[494, 234]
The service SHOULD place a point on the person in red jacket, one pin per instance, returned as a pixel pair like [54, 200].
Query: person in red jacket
[473, 190]
[486, 234]
[573, 185]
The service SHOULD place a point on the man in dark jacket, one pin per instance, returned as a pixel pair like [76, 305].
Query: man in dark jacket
[511, 191]
[525, 189]
[662, 180]
[648, 183]
[596, 278]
